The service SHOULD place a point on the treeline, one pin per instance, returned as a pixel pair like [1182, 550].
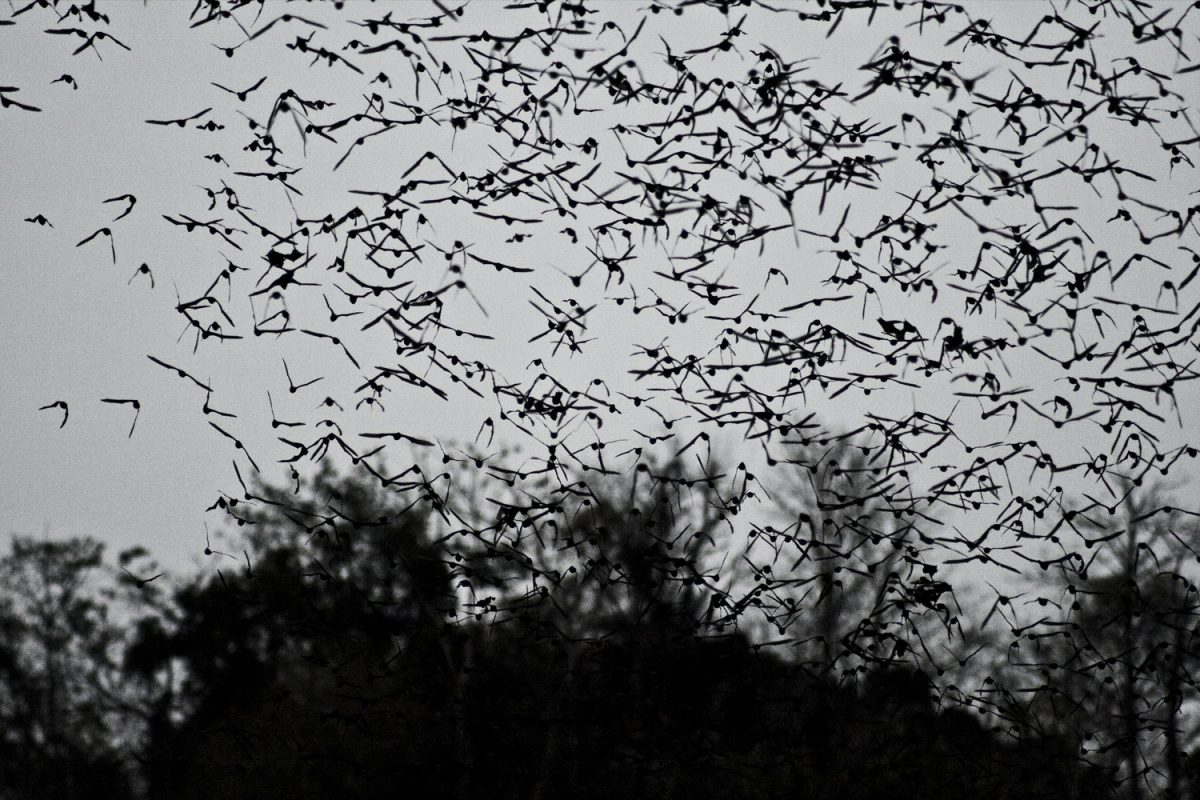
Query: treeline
[348, 647]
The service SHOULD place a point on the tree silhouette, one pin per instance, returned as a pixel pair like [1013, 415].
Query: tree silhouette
[68, 721]
[1118, 667]
[854, 563]
[357, 646]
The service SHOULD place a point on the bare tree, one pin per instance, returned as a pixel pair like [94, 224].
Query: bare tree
[1119, 669]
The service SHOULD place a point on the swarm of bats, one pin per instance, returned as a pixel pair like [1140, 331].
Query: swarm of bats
[969, 257]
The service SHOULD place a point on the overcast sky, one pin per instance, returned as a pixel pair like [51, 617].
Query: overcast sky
[73, 327]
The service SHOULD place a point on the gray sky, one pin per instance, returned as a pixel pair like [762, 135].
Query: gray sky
[73, 328]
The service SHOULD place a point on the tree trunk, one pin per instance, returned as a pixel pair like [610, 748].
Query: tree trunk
[1174, 701]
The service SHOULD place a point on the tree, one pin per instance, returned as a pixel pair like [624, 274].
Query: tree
[68, 720]
[846, 572]
[357, 645]
[1120, 666]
